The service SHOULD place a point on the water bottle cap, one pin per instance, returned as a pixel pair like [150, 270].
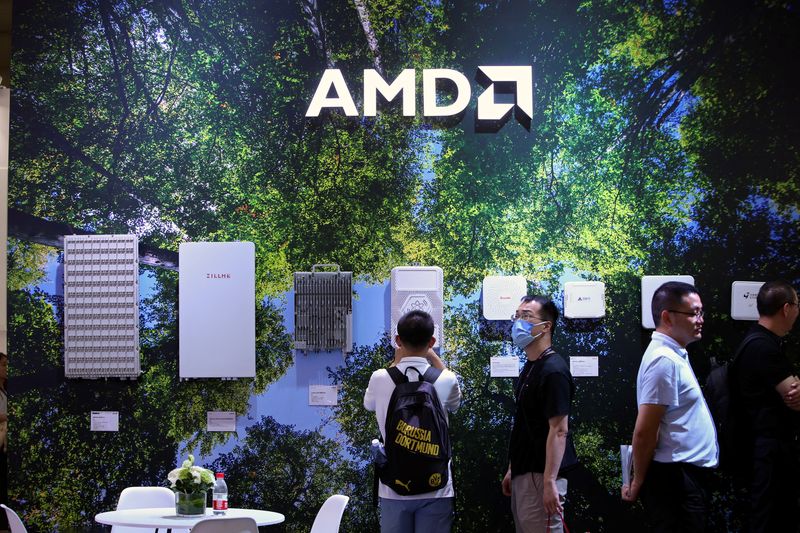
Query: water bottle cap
[220, 475]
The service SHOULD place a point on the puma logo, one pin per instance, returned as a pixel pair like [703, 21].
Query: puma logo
[404, 485]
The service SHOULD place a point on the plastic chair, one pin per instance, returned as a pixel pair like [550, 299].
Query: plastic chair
[141, 497]
[14, 521]
[330, 515]
[226, 525]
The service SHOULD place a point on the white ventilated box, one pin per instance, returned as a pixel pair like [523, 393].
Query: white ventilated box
[101, 306]
[502, 295]
[217, 310]
[743, 299]
[420, 288]
[649, 286]
[584, 299]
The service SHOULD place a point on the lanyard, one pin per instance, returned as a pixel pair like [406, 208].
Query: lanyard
[526, 376]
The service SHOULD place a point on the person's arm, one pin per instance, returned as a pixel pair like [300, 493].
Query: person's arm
[789, 389]
[506, 483]
[554, 453]
[434, 360]
[369, 395]
[645, 439]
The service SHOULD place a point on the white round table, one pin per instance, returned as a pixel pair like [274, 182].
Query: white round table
[165, 517]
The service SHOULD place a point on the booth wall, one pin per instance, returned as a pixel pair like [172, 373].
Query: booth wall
[665, 140]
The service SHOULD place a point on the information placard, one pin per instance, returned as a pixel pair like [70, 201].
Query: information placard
[221, 421]
[584, 366]
[504, 367]
[104, 421]
[324, 395]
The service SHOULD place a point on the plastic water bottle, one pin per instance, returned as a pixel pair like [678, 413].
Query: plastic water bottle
[220, 494]
[378, 453]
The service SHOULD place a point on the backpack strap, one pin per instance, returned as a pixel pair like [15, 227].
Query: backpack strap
[750, 337]
[397, 376]
[431, 375]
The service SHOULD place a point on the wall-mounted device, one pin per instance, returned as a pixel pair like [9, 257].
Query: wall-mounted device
[502, 295]
[649, 286]
[743, 299]
[217, 310]
[417, 287]
[584, 299]
[323, 310]
[101, 306]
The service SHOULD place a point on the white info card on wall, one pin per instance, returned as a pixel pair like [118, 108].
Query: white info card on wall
[217, 310]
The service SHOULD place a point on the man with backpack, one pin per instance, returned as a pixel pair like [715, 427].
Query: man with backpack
[541, 451]
[765, 402]
[410, 400]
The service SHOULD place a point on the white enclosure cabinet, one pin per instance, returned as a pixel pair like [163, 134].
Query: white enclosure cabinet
[217, 310]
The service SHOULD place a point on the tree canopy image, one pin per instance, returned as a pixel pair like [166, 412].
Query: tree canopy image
[665, 139]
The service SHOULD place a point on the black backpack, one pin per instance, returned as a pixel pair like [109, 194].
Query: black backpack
[722, 402]
[417, 442]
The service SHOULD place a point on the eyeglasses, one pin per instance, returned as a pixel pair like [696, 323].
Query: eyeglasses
[526, 316]
[697, 314]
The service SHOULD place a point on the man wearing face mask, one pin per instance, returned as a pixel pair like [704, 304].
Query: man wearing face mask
[541, 450]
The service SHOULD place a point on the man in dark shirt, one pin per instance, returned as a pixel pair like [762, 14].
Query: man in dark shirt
[541, 450]
[767, 401]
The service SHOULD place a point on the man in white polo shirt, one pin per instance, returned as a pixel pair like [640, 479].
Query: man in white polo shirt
[674, 440]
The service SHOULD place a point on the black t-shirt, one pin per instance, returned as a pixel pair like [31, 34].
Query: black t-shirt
[544, 390]
[758, 369]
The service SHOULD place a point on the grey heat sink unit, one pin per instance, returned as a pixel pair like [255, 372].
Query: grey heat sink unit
[323, 310]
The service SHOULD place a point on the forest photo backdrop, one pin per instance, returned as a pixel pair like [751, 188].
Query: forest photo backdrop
[665, 140]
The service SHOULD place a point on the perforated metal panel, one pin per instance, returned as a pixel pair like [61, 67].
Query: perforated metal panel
[323, 310]
[101, 306]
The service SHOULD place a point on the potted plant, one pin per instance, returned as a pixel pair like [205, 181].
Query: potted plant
[190, 484]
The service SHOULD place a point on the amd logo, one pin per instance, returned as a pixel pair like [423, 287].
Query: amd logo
[332, 93]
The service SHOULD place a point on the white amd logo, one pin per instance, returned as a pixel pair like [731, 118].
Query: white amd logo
[332, 93]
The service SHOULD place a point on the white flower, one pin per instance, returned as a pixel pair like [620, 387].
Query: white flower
[172, 477]
[190, 477]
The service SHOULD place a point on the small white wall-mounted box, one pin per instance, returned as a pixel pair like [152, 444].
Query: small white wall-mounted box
[649, 286]
[217, 310]
[584, 299]
[501, 296]
[743, 299]
[417, 287]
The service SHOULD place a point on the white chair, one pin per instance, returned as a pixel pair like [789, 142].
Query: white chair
[14, 521]
[330, 515]
[226, 525]
[141, 497]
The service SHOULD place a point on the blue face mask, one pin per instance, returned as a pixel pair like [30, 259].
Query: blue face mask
[521, 333]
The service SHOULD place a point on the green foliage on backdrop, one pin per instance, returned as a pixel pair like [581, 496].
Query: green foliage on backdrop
[665, 140]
